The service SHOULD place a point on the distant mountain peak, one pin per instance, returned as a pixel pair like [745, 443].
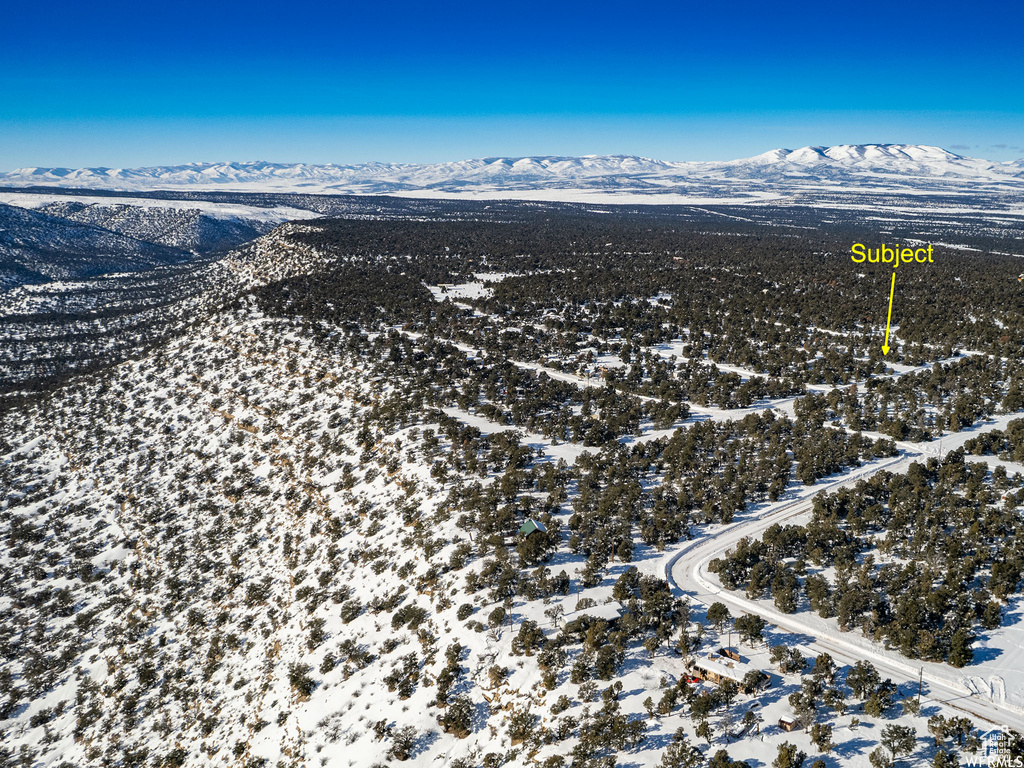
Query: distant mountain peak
[852, 153]
[545, 175]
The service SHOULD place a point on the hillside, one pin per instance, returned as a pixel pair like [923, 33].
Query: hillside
[55, 328]
[36, 246]
[424, 489]
[189, 229]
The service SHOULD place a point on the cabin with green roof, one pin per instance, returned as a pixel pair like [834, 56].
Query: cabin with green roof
[532, 526]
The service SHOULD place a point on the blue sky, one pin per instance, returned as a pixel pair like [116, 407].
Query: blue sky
[124, 84]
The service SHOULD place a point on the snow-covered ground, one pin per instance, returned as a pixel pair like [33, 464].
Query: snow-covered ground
[272, 525]
[351, 522]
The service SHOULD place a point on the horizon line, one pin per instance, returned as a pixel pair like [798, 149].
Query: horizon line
[258, 161]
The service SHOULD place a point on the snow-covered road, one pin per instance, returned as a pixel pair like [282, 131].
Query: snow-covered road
[687, 572]
[979, 690]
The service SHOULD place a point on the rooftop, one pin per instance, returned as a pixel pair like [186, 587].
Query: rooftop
[605, 611]
[724, 667]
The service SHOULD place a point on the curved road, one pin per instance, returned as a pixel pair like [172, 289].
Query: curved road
[687, 572]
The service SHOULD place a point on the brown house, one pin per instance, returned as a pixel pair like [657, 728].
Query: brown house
[788, 724]
[715, 669]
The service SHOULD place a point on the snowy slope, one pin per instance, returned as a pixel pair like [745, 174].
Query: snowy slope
[36, 247]
[237, 572]
[245, 547]
[868, 159]
[179, 228]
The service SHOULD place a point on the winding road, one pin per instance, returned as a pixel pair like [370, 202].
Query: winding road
[687, 572]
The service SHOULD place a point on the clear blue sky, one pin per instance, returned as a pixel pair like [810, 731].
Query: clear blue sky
[131, 83]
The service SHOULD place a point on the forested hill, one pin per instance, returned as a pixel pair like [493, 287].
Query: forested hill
[368, 491]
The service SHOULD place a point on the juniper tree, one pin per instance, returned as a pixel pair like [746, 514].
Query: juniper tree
[898, 739]
[862, 678]
[789, 756]
[681, 754]
[718, 615]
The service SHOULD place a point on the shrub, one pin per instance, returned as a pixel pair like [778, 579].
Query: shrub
[351, 609]
[521, 726]
[561, 705]
[458, 717]
[496, 617]
[298, 676]
[403, 741]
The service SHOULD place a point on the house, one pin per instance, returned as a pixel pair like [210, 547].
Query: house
[740, 731]
[532, 526]
[715, 668]
[609, 612]
[788, 724]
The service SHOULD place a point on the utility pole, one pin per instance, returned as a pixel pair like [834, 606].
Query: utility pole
[920, 684]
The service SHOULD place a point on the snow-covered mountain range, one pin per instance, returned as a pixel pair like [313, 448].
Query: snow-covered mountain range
[871, 165]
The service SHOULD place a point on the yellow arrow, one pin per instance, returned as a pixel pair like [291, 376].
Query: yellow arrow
[892, 290]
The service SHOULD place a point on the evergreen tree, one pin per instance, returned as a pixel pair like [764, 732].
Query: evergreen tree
[789, 756]
[681, 754]
[718, 615]
[960, 652]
